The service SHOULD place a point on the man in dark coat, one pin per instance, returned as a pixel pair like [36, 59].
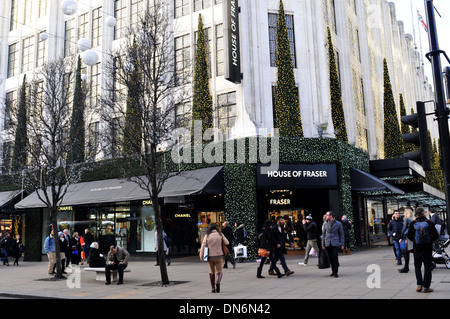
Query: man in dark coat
[228, 233]
[395, 228]
[422, 251]
[278, 240]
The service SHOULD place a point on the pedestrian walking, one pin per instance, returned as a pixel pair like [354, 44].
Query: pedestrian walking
[5, 245]
[49, 248]
[395, 227]
[310, 228]
[67, 249]
[17, 250]
[264, 246]
[63, 249]
[117, 259]
[278, 244]
[406, 246]
[88, 240]
[422, 233]
[228, 233]
[214, 240]
[75, 245]
[346, 226]
[333, 240]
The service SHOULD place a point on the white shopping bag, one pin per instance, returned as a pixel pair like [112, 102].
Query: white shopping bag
[240, 251]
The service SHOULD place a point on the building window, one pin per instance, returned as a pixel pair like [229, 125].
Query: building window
[28, 11]
[137, 10]
[7, 155]
[69, 39]
[40, 57]
[14, 14]
[83, 26]
[116, 136]
[13, 59]
[181, 8]
[10, 101]
[93, 140]
[182, 58]
[27, 54]
[226, 111]
[120, 15]
[183, 115]
[42, 8]
[201, 4]
[273, 26]
[95, 83]
[220, 51]
[96, 27]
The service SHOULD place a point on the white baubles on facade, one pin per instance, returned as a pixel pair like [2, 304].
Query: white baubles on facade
[69, 7]
[43, 36]
[84, 44]
[89, 57]
[111, 21]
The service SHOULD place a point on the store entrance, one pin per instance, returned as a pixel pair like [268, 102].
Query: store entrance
[295, 205]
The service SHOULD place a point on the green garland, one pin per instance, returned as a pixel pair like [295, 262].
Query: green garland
[393, 143]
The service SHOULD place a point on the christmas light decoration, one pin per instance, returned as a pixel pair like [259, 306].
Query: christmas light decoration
[69, 7]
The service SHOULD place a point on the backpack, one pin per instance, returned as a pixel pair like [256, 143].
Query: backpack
[422, 235]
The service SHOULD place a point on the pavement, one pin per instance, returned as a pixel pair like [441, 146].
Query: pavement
[369, 273]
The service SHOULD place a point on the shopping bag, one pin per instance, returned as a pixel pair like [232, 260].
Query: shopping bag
[205, 253]
[324, 259]
[240, 251]
[313, 252]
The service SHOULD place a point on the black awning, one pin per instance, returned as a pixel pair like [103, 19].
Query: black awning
[200, 181]
[364, 182]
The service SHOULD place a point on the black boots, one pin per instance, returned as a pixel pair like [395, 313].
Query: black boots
[259, 271]
[218, 280]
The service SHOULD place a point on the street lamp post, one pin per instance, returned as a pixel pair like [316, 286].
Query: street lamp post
[441, 109]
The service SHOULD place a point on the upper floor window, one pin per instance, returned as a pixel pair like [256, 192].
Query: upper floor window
[273, 27]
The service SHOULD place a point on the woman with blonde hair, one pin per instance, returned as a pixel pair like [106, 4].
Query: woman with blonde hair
[405, 244]
[213, 241]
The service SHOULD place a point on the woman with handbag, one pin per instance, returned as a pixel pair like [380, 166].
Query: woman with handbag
[214, 246]
[264, 246]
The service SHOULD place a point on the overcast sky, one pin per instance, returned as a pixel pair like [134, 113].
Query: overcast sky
[406, 11]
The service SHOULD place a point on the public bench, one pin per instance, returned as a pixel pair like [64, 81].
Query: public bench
[100, 273]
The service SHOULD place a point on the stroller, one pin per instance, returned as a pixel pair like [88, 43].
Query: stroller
[440, 256]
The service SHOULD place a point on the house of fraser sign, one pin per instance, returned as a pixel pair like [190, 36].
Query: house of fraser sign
[232, 41]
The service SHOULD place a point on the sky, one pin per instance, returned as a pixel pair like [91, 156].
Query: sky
[409, 16]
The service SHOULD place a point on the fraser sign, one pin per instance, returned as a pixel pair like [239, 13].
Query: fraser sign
[232, 41]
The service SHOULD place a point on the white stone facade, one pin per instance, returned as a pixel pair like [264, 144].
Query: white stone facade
[364, 32]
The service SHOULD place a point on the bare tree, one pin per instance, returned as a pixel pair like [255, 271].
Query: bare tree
[139, 105]
[49, 172]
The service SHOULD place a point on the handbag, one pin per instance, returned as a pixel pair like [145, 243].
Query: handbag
[324, 259]
[263, 252]
[225, 249]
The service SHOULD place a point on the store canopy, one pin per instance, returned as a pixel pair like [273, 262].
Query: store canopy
[206, 180]
[364, 182]
[7, 198]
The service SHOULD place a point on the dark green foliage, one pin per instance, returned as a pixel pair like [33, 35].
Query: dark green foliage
[393, 143]
[287, 106]
[77, 125]
[202, 107]
[19, 160]
[132, 135]
[337, 107]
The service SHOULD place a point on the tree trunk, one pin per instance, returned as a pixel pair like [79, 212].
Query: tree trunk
[159, 229]
[58, 269]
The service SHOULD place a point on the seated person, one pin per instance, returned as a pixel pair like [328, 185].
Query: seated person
[117, 259]
[95, 258]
